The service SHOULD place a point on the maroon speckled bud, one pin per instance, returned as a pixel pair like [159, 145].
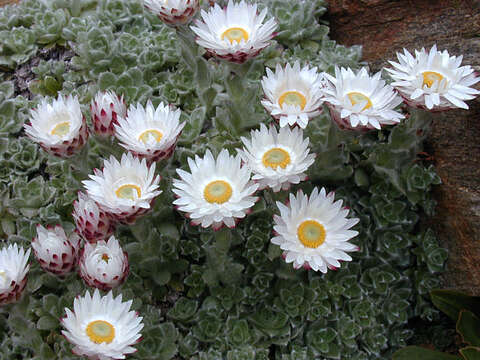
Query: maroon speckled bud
[93, 224]
[54, 251]
[106, 108]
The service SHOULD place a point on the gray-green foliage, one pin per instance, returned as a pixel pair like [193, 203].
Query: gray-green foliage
[205, 295]
[49, 77]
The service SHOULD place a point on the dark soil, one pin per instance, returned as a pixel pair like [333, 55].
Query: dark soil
[23, 74]
[450, 342]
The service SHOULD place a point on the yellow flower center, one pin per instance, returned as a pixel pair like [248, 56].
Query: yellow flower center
[235, 34]
[100, 331]
[429, 77]
[3, 277]
[311, 234]
[105, 258]
[61, 129]
[128, 192]
[147, 136]
[276, 157]
[218, 192]
[356, 98]
[292, 98]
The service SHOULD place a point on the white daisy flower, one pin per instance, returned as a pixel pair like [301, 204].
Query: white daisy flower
[125, 189]
[56, 252]
[173, 12]
[434, 80]
[359, 101]
[293, 94]
[104, 265]
[92, 223]
[106, 108]
[313, 232]
[59, 128]
[277, 159]
[148, 132]
[215, 192]
[235, 33]
[102, 327]
[13, 273]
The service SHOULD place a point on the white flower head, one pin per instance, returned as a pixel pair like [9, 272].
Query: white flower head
[293, 94]
[92, 223]
[215, 191]
[314, 232]
[13, 272]
[59, 128]
[433, 79]
[106, 108]
[56, 252]
[358, 101]
[173, 12]
[124, 189]
[104, 265]
[277, 159]
[148, 132]
[102, 327]
[235, 33]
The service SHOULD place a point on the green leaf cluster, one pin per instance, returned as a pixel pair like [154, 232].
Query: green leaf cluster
[464, 310]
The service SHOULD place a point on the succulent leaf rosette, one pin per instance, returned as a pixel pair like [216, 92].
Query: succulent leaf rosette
[313, 231]
[236, 33]
[124, 189]
[102, 327]
[150, 132]
[358, 101]
[277, 158]
[173, 12]
[103, 265]
[215, 192]
[56, 252]
[58, 127]
[13, 272]
[293, 94]
[433, 80]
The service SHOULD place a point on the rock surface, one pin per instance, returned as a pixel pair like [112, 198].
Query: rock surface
[5, 2]
[384, 27]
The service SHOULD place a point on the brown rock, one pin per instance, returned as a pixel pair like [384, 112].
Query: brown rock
[384, 27]
[455, 146]
[6, 2]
